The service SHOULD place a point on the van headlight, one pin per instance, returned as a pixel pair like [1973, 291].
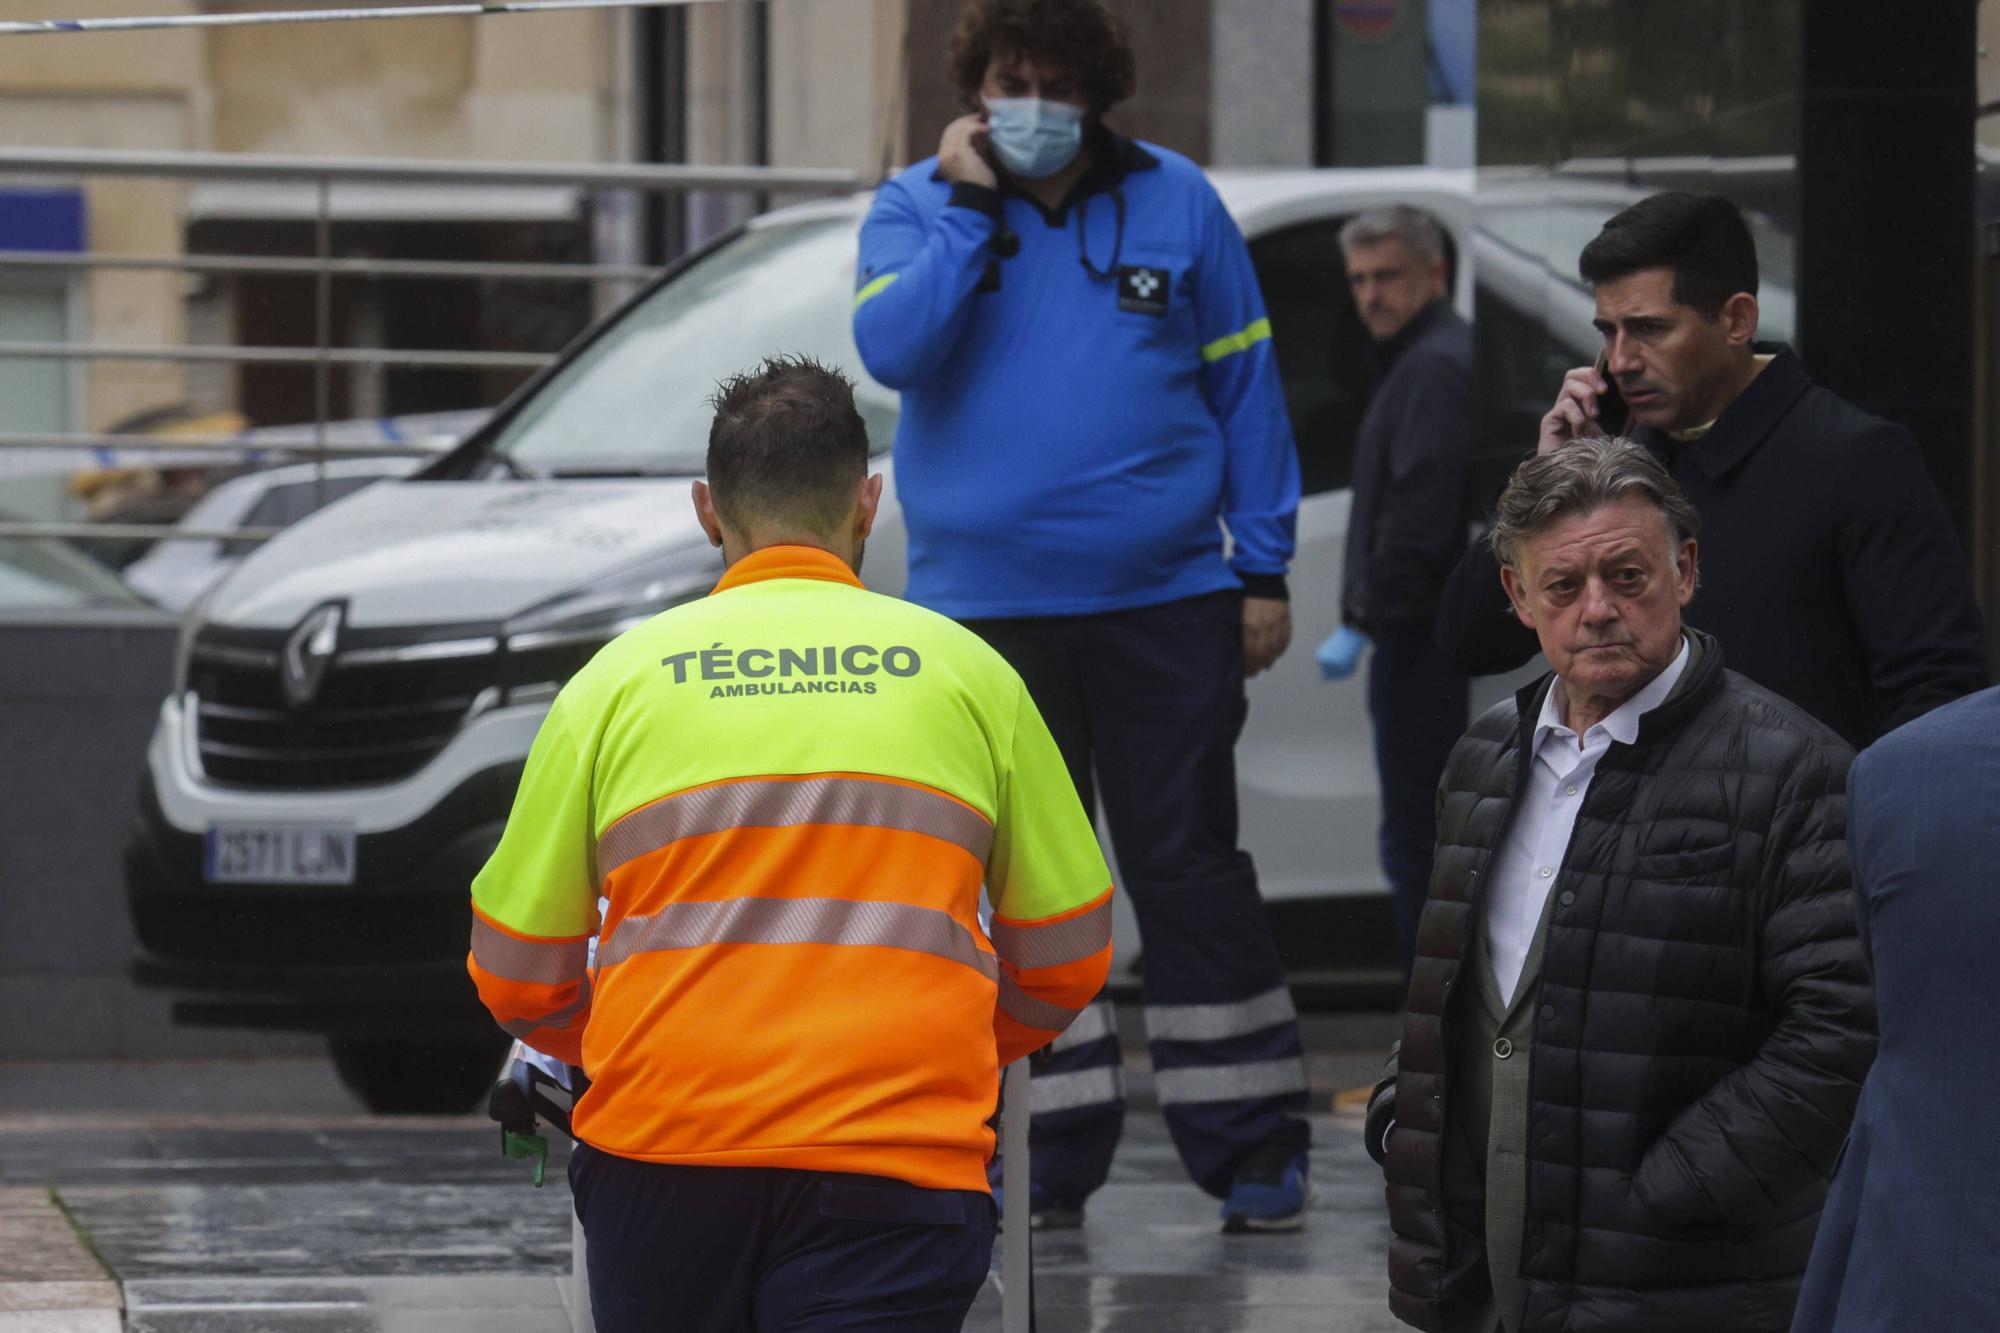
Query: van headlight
[545, 645]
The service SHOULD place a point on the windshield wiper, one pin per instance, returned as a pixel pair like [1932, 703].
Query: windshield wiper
[608, 471]
[507, 464]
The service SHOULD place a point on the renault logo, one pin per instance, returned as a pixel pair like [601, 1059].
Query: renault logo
[308, 653]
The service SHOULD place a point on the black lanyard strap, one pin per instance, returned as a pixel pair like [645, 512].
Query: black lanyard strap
[1117, 236]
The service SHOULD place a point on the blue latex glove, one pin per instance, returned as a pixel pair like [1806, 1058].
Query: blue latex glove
[1341, 653]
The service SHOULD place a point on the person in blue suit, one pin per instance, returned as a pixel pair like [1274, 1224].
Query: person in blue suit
[1910, 1237]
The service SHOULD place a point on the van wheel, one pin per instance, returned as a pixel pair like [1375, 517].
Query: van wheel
[404, 1077]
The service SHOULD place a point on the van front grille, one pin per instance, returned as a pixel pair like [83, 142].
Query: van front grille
[379, 713]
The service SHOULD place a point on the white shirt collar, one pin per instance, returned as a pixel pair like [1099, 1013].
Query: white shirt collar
[1622, 723]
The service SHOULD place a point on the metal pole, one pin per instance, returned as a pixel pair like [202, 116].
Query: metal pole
[1017, 1263]
[373, 269]
[280, 356]
[474, 9]
[10, 531]
[322, 334]
[275, 443]
[424, 172]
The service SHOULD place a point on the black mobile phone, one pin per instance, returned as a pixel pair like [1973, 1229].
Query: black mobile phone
[1614, 415]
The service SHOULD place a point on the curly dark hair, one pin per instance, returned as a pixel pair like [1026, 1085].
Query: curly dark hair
[1078, 35]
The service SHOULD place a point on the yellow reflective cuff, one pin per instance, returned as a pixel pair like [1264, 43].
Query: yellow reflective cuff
[874, 289]
[1232, 343]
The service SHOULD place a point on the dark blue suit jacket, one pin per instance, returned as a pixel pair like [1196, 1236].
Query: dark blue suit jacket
[1910, 1238]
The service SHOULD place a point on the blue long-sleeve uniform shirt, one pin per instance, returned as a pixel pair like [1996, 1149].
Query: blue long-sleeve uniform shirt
[1069, 441]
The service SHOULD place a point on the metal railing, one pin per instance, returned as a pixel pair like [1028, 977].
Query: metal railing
[325, 175]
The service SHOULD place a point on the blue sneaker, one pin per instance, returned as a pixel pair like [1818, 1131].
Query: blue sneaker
[1272, 1187]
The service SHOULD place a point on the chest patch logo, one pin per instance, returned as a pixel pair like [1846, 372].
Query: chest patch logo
[1143, 290]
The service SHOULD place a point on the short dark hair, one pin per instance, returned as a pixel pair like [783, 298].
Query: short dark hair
[787, 447]
[1081, 36]
[1701, 237]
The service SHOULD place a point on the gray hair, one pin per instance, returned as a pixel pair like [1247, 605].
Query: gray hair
[1413, 227]
[1576, 479]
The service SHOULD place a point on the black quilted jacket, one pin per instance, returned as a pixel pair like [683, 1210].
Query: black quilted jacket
[1703, 1024]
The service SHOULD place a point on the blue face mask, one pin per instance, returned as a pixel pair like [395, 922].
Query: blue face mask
[1033, 138]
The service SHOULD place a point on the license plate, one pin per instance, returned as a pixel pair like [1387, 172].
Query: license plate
[279, 854]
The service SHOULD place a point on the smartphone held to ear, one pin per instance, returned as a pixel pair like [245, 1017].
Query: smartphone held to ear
[1614, 415]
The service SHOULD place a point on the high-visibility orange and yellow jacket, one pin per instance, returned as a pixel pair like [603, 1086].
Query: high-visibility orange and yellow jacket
[791, 792]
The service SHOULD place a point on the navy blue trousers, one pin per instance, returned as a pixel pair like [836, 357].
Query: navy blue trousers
[1146, 706]
[711, 1249]
[1418, 704]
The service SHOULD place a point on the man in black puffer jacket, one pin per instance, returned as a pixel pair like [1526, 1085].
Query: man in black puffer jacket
[1640, 1015]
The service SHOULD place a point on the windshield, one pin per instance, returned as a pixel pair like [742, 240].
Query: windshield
[637, 399]
[35, 572]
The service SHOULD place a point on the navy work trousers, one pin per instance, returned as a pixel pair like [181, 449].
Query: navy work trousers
[1146, 706]
[1418, 704]
[717, 1249]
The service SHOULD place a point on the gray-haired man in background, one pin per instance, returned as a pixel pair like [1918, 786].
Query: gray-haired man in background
[1406, 531]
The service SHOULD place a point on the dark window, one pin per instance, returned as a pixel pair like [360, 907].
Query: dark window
[1322, 347]
[394, 311]
[1518, 363]
[288, 502]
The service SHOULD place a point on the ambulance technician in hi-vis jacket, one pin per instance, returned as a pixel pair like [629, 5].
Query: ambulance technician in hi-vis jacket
[790, 794]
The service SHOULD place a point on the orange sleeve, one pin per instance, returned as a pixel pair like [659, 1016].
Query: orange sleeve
[538, 989]
[1050, 971]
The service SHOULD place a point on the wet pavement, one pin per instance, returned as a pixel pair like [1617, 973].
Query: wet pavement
[236, 1196]
[1151, 1258]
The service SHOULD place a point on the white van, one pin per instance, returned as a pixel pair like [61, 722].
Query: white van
[353, 703]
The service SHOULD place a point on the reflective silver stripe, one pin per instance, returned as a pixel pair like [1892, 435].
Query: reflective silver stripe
[521, 1027]
[1085, 1087]
[1093, 1024]
[419, 652]
[1230, 1083]
[1069, 941]
[539, 962]
[243, 657]
[1022, 1007]
[788, 802]
[1217, 1022]
[798, 921]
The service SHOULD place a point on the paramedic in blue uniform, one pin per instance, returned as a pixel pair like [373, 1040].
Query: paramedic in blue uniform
[1087, 387]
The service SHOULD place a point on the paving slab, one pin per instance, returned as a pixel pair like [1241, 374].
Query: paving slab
[1151, 1257]
[50, 1282]
[65, 1321]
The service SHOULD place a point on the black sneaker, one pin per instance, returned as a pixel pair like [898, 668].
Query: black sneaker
[1044, 1212]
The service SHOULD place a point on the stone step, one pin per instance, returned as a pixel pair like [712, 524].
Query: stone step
[50, 1282]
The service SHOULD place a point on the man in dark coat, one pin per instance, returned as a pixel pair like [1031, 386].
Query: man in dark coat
[1406, 531]
[1912, 1223]
[1640, 1014]
[1830, 569]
